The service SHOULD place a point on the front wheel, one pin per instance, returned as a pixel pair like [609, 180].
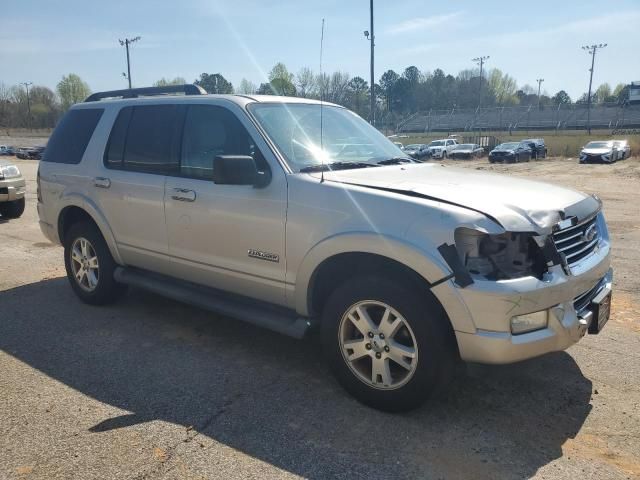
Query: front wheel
[13, 209]
[387, 344]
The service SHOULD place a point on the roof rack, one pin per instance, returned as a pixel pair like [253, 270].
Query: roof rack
[187, 89]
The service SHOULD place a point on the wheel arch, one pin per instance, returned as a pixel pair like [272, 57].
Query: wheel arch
[78, 209]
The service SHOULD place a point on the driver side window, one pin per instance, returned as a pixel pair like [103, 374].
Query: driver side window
[210, 131]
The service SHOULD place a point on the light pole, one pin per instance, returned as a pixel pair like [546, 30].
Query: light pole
[591, 50]
[539, 80]
[126, 42]
[371, 37]
[27, 85]
[480, 61]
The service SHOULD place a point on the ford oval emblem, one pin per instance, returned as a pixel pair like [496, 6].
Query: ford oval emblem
[590, 233]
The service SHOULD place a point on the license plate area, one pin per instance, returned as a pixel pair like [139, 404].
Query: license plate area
[601, 309]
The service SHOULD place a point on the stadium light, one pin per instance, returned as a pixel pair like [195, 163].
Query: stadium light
[591, 50]
[126, 42]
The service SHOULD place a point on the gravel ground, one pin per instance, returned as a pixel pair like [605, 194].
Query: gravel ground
[150, 388]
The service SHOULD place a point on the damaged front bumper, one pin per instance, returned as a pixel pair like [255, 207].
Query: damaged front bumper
[566, 298]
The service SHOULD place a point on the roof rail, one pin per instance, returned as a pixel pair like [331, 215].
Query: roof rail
[187, 89]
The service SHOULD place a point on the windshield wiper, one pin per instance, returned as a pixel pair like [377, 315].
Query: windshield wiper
[319, 167]
[395, 161]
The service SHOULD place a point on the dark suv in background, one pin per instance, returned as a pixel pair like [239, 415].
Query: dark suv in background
[538, 148]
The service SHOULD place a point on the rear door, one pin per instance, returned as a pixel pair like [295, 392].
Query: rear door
[143, 147]
[230, 237]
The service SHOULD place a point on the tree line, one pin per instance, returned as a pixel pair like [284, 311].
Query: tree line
[397, 94]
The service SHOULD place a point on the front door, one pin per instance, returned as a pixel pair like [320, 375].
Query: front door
[229, 237]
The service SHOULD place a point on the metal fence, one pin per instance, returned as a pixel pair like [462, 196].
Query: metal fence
[563, 117]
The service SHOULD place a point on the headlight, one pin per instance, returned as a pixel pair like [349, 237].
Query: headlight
[9, 171]
[498, 257]
[529, 322]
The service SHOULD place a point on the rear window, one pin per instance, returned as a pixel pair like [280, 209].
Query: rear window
[71, 137]
[146, 139]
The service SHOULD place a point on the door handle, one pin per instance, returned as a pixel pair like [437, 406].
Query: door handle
[102, 182]
[183, 195]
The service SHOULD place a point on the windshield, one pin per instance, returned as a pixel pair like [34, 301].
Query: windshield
[598, 145]
[346, 138]
[507, 146]
[437, 143]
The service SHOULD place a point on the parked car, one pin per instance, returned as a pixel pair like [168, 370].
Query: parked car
[35, 153]
[12, 190]
[599, 151]
[442, 148]
[242, 205]
[5, 150]
[623, 148]
[538, 148]
[467, 150]
[417, 150]
[22, 153]
[510, 152]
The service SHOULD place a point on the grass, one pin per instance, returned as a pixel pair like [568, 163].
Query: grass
[559, 144]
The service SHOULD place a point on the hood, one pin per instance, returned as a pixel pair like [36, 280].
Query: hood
[5, 163]
[516, 204]
[596, 151]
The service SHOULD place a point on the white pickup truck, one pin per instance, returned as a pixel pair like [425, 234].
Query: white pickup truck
[442, 148]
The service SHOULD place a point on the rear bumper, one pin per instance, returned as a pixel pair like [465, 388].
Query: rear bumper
[12, 189]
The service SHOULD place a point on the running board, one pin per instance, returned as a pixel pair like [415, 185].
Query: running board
[257, 313]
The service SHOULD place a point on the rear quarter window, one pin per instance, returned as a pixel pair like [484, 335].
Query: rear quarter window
[71, 137]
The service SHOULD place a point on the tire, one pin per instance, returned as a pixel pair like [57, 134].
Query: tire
[105, 290]
[424, 325]
[13, 209]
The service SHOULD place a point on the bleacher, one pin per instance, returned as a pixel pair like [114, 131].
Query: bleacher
[563, 117]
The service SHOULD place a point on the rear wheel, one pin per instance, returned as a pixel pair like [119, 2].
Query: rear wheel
[13, 209]
[387, 344]
[90, 266]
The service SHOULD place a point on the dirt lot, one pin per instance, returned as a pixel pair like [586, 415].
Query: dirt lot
[150, 388]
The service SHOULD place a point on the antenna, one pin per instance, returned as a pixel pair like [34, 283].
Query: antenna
[321, 103]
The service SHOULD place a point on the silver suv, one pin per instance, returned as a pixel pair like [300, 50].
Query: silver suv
[296, 215]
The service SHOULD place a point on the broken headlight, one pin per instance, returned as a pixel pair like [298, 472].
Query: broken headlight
[499, 257]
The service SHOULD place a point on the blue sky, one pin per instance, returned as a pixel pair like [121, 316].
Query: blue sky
[42, 40]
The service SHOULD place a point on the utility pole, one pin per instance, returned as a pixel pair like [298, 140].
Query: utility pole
[539, 80]
[126, 42]
[591, 50]
[371, 38]
[27, 85]
[480, 61]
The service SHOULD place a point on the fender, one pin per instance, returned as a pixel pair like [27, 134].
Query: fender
[425, 264]
[89, 206]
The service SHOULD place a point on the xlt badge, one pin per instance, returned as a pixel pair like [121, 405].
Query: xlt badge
[269, 257]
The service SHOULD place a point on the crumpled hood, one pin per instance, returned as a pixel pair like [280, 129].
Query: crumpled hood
[517, 204]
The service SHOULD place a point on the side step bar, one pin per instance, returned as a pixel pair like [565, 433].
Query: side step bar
[260, 314]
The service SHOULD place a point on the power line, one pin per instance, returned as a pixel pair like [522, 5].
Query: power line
[27, 85]
[480, 61]
[371, 37]
[539, 80]
[126, 42]
[591, 50]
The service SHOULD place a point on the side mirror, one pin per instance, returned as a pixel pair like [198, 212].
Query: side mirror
[238, 170]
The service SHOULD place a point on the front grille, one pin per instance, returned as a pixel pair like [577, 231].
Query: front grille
[581, 302]
[575, 242]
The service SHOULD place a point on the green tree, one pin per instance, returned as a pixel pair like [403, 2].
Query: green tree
[387, 82]
[561, 98]
[503, 86]
[281, 81]
[247, 87]
[603, 94]
[164, 82]
[72, 89]
[214, 83]
[358, 94]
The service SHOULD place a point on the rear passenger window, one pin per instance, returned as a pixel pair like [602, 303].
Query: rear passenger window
[71, 137]
[211, 131]
[146, 139]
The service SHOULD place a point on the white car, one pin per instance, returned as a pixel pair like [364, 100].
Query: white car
[623, 148]
[442, 148]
